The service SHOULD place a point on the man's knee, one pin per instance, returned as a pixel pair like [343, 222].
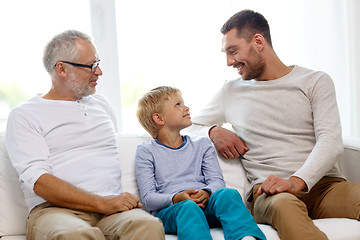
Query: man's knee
[148, 222]
[145, 227]
[268, 207]
[90, 233]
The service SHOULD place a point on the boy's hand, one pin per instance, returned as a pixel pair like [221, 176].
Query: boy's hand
[185, 195]
[201, 197]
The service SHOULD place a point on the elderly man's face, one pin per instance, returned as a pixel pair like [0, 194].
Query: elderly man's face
[82, 81]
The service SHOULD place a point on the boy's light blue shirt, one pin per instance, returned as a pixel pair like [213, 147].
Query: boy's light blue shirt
[163, 171]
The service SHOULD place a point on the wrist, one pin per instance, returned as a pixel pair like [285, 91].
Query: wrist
[208, 191]
[174, 198]
[99, 205]
[211, 130]
[298, 184]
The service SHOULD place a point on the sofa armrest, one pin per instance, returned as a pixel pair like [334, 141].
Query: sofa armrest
[350, 164]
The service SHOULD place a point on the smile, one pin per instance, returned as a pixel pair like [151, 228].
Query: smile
[239, 66]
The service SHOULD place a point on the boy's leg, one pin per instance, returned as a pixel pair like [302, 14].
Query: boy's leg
[227, 206]
[287, 214]
[135, 224]
[334, 198]
[186, 219]
[50, 222]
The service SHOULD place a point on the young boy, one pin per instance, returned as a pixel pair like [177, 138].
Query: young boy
[179, 177]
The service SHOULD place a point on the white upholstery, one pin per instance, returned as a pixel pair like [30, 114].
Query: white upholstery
[13, 212]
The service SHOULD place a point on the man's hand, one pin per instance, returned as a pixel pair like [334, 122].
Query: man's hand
[227, 143]
[64, 194]
[121, 203]
[274, 184]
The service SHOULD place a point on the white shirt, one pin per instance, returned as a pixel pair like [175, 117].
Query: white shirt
[72, 140]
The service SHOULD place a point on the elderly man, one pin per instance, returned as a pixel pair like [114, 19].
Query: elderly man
[63, 146]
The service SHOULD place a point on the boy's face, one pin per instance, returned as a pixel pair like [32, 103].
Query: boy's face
[175, 114]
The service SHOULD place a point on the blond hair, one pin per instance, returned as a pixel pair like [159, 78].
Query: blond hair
[153, 102]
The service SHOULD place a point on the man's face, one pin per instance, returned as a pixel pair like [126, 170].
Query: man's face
[81, 81]
[243, 56]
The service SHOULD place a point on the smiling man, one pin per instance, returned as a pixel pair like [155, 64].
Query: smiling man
[287, 133]
[64, 148]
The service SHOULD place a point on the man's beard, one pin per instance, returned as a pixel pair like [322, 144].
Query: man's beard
[78, 89]
[255, 67]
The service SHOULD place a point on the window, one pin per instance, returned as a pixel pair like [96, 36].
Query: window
[144, 44]
[27, 26]
[178, 43]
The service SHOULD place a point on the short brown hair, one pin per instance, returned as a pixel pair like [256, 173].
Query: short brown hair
[153, 102]
[248, 23]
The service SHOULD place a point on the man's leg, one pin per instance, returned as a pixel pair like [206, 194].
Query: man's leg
[186, 219]
[287, 214]
[227, 206]
[135, 224]
[49, 222]
[334, 198]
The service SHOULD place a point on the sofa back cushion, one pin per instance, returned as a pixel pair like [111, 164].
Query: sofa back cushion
[350, 164]
[13, 212]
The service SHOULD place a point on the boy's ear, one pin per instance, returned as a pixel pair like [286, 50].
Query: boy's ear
[158, 119]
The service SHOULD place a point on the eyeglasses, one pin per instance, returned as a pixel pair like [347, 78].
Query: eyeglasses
[93, 66]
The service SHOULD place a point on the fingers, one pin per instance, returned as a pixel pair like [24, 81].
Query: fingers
[191, 192]
[126, 201]
[233, 151]
[227, 143]
[185, 195]
[273, 185]
[130, 201]
[201, 198]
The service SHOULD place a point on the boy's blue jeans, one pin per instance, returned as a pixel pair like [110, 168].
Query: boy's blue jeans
[225, 208]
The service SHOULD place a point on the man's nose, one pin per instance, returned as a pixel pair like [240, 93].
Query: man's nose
[98, 71]
[230, 61]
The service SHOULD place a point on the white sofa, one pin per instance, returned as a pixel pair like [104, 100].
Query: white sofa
[13, 213]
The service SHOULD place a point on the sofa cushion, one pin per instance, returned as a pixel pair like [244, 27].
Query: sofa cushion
[13, 212]
[127, 160]
[350, 163]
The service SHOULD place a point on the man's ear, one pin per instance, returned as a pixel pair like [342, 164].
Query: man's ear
[259, 41]
[60, 69]
[158, 119]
